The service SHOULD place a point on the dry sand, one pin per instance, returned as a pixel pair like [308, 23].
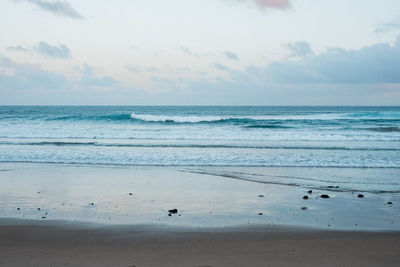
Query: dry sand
[32, 243]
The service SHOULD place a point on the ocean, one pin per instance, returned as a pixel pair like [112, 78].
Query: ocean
[202, 135]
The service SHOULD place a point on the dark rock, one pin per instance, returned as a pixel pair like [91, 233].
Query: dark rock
[331, 186]
[18, 208]
[260, 213]
[38, 208]
[324, 196]
[43, 217]
[260, 195]
[169, 214]
[92, 203]
[305, 197]
[304, 208]
[173, 211]
[389, 202]
[130, 194]
[309, 191]
[360, 195]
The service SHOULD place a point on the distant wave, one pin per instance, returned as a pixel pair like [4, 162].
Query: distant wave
[249, 121]
[178, 119]
[385, 129]
[110, 117]
[177, 145]
[268, 126]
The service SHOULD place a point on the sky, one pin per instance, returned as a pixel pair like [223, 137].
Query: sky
[199, 52]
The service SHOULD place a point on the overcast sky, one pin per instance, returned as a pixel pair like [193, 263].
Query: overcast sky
[199, 52]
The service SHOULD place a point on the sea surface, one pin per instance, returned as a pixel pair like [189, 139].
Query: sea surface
[202, 136]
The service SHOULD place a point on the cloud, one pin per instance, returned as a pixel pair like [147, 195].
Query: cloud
[18, 48]
[61, 51]
[15, 76]
[263, 4]
[366, 76]
[59, 8]
[299, 49]
[188, 51]
[389, 27]
[379, 63]
[90, 80]
[24, 84]
[138, 69]
[231, 55]
[376, 64]
[221, 67]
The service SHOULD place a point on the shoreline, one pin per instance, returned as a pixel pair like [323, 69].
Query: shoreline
[59, 243]
[203, 196]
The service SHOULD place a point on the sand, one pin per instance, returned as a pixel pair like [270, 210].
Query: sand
[34, 243]
[77, 215]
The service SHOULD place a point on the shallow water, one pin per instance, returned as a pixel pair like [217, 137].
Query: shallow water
[204, 196]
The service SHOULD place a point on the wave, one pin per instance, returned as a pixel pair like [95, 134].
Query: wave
[186, 145]
[294, 181]
[178, 119]
[109, 117]
[268, 126]
[385, 129]
[247, 121]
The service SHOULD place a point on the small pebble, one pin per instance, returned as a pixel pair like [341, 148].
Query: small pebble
[260, 213]
[360, 195]
[130, 194]
[304, 208]
[92, 203]
[305, 197]
[389, 202]
[309, 191]
[173, 211]
[18, 208]
[324, 196]
[260, 195]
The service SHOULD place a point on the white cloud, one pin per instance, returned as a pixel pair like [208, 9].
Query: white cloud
[59, 8]
[231, 55]
[60, 51]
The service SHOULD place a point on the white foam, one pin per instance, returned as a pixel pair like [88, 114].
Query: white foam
[181, 119]
[195, 119]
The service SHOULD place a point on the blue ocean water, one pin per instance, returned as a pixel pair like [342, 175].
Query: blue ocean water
[202, 136]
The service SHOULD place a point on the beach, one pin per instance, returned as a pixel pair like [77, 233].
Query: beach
[57, 244]
[88, 215]
[199, 133]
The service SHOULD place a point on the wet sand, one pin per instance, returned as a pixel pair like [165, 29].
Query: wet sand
[33, 243]
[203, 197]
[83, 215]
